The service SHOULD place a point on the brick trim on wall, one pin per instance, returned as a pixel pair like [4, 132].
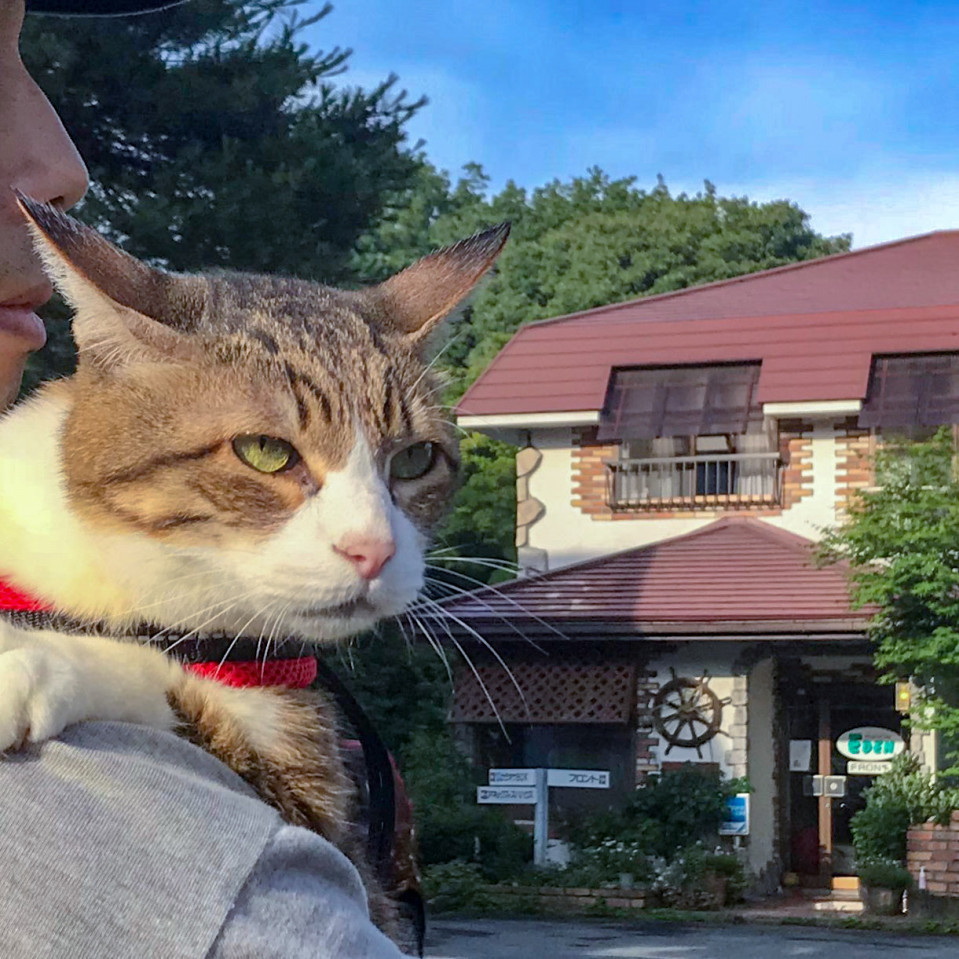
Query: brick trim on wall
[855, 448]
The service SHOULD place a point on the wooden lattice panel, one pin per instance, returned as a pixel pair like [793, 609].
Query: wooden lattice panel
[572, 691]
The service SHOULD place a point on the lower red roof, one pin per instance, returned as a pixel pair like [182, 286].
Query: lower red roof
[735, 575]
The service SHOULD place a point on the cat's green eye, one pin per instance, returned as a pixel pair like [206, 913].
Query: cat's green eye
[413, 462]
[267, 454]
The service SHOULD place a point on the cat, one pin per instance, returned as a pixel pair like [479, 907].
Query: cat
[235, 452]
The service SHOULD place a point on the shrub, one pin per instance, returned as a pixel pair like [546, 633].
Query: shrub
[603, 863]
[730, 868]
[884, 874]
[903, 797]
[455, 885]
[668, 812]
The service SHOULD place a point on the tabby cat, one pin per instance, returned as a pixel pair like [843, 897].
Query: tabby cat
[250, 454]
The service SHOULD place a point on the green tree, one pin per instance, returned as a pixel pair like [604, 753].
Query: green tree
[216, 138]
[901, 541]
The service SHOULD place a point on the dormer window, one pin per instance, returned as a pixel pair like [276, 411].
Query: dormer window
[691, 437]
[648, 402]
[912, 394]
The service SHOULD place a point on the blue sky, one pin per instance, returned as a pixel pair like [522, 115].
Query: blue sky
[850, 109]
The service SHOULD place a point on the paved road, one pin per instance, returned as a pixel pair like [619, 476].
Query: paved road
[538, 939]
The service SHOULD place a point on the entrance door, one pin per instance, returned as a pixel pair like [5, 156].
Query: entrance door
[820, 839]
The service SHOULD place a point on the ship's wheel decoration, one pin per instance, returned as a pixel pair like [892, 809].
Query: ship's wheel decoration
[687, 713]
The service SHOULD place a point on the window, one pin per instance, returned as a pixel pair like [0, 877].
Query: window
[909, 394]
[740, 469]
[681, 401]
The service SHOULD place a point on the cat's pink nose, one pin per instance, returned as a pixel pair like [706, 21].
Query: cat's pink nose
[369, 556]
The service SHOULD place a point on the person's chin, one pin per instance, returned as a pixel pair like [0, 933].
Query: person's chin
[11, 373]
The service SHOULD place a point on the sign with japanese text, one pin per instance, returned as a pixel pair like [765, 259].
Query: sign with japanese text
[505, 795]
[578, 778]
[512, 777]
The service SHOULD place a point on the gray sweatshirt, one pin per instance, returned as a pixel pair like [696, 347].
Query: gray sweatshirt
[122, 842]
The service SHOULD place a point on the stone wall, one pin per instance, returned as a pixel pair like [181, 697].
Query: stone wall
[936, 849]
[561, 900]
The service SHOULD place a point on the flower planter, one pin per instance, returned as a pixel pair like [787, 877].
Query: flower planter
[881, 902]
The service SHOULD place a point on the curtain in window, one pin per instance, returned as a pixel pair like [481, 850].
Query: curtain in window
[756, 476]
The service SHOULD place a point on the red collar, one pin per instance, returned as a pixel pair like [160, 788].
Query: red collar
[293, 673]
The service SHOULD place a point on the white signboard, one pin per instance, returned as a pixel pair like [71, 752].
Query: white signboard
[512, 777]
[870, 742]
[506, 795]
[578, 778]
[867, 767]
[800, 755]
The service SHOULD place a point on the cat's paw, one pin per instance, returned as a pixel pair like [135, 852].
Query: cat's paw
[38, 690]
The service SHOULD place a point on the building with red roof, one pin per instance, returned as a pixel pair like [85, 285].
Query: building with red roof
[678, 457]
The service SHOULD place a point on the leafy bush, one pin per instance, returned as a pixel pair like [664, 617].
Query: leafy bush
[455, 885]
[903, 797]
[879, 831]
[884, 874]
[603, 863]
[668, 812]
[730, 868]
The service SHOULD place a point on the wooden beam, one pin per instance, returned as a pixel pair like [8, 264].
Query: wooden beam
[825, 803]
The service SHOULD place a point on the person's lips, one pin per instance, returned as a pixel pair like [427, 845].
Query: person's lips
[18, 319]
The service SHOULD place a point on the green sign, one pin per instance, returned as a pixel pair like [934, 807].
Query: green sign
[870, 742]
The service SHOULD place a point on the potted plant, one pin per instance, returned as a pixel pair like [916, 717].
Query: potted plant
[882, 883]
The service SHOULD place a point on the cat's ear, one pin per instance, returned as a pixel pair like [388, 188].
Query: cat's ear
[415, 300]
[121, 304]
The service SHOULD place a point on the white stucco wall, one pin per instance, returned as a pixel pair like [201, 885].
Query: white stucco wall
[569, 535]
[693, 661]
[762, 772]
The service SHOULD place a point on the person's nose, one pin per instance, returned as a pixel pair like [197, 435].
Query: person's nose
[45, 164]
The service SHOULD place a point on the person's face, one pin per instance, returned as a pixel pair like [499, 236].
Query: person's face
[38, 158]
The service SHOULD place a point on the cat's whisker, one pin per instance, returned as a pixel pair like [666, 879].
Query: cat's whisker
[435, 644]
[519, 607]
[449, 554]
[482, 685]
[271, 639]
[509, 672]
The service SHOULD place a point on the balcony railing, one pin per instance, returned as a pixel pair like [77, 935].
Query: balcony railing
[723, 480]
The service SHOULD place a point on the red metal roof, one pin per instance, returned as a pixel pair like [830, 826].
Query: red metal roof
[815, 326]
[737, 575]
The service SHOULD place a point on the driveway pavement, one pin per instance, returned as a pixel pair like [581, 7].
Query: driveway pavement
[539, 939]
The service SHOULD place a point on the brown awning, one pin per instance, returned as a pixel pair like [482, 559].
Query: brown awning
[572, 690]
[681, 401]
[907, 393]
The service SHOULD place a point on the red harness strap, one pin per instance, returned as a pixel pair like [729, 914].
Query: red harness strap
[12, 598]
[292, 673]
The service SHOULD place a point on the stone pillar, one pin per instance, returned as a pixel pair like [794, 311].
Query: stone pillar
[528, 511]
